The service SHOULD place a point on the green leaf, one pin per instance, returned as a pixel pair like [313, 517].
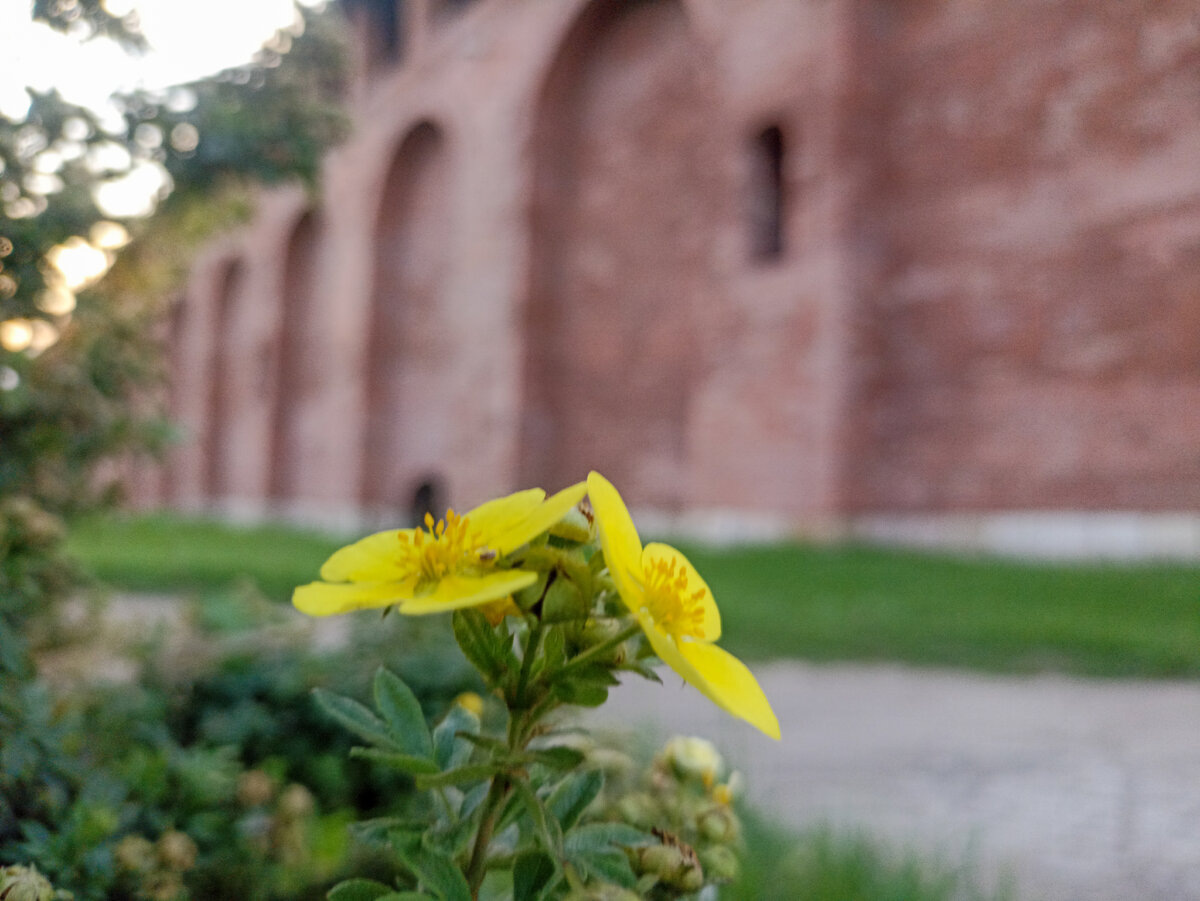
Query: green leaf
[604, 836]
[479, 644]
[356, 718]
[572, 796]
[581, 692]
[611, 866]
[402, 712]
[547, 829]
[557, 758]
[643, 669]
[450, 749]
[597, 849]
[459, 776]
[359, 890]
[436, 871]
[408, 896]
[404, 762]
[532, 872]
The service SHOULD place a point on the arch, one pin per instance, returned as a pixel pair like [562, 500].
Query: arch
[623, 219]
[405, 342]
[218, 450]
[300, 349]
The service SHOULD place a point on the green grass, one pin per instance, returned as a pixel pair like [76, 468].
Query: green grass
[816, 603]
[820, 865]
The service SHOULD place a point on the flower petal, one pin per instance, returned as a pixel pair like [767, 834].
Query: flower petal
[457, 592]
[719, 676]
[503, 513]
[375, 558]
[618, 539]
[539, 519]
[710, 628]
[323, 599]
[730, 685]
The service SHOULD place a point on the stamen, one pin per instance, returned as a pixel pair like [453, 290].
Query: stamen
[444, 547]
[674, 609]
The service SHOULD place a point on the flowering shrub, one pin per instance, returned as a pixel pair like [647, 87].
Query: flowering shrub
[550, 599]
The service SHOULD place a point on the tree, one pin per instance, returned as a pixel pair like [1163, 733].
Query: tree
[76, 357]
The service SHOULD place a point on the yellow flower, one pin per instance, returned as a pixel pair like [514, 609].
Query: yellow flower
[449, 564]
[676, 610]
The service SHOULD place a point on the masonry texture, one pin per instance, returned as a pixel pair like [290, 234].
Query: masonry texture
[799, 259]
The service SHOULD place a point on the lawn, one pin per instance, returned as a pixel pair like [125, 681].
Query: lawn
[816, 603]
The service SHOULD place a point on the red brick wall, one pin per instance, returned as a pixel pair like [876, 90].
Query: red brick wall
[1028, 327]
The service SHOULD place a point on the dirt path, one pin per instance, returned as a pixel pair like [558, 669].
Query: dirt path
[1079, 789]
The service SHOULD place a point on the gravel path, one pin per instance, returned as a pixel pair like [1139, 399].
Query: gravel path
[1077, 789]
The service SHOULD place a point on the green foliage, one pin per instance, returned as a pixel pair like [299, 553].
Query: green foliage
[821, 603]
[820, 864]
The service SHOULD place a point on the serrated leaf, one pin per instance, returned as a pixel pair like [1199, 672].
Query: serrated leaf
[356, 718]
[572, 796]
[436, 871]
[479, 644]
[532, 872]
[406, 763]
[450, 748]
[458, 776]
[359, 890]
[402, 712]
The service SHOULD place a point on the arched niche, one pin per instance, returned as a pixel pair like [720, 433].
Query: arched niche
[406, 346]
[301, 354]
[219, 446]
[622, 223]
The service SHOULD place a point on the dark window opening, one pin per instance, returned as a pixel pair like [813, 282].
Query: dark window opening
[383, 24]
[767, 195]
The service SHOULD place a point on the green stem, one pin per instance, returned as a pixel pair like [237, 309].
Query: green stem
[477, 868]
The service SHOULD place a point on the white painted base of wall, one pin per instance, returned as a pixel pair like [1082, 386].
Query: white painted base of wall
[1061, 535]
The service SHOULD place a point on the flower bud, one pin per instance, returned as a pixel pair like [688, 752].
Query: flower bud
[19, 883]
[176, 850]
[720, 863]
[638, 810]
[470, 702]
[574, 526]
[693, 758]
[254, 788]
[719, 825]
[135, 854]
[295, 803]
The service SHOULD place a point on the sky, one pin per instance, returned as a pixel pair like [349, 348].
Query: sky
[190, 39]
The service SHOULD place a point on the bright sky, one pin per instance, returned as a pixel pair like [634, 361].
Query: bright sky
[190, 39]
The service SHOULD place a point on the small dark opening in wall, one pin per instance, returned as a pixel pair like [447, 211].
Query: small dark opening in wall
[428, 497]
[381, 25]
[767, 201]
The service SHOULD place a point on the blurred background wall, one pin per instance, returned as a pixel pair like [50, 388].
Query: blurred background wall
[915, 270]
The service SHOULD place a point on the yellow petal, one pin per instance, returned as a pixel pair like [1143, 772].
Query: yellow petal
[730, 685]
[323, 599]
[710, 628]
[540, 519]
[719, 676]
[457, 592]
[375, 558]
[618, 539]
[503, 513]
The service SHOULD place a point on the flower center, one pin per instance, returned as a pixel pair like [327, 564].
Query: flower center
[674, 609]
[443, 548]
